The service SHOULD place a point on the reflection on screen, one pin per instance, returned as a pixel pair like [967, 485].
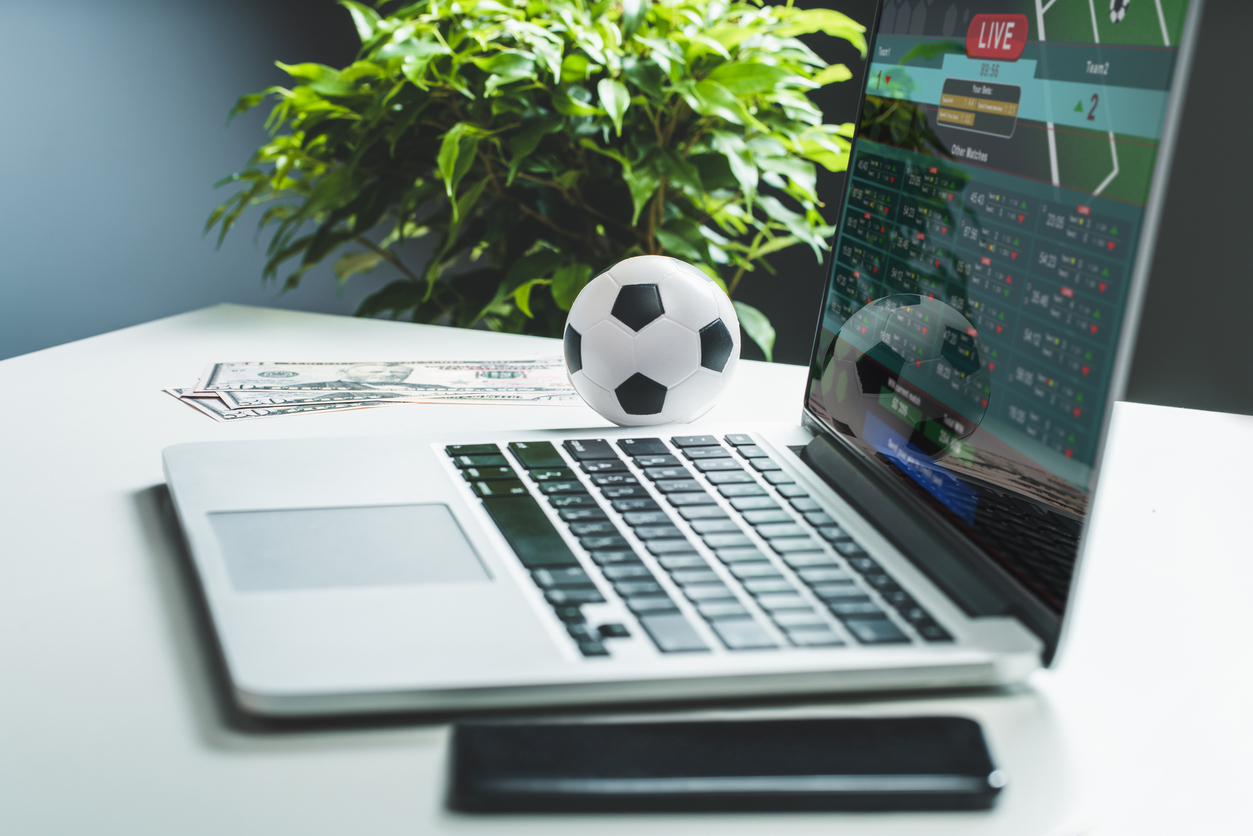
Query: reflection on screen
[994, 204]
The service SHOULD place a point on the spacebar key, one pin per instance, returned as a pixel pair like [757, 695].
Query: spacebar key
[671, 632]
[529, 531]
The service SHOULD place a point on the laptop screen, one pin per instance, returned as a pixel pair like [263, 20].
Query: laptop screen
[996, 195]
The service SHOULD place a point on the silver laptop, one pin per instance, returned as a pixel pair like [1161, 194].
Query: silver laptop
[918, 527]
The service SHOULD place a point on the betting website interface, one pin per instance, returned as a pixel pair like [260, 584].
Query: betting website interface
[994, 205]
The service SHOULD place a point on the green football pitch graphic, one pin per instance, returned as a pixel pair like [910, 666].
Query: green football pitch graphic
[1085, 161]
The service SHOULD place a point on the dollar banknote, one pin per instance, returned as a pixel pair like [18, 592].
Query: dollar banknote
[250, 399]
[218, 410]
[419, 379]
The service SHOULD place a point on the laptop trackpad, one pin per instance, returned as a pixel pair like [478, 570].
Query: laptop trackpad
[313, 548]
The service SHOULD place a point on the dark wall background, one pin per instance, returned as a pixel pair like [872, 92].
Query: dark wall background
[112, 134]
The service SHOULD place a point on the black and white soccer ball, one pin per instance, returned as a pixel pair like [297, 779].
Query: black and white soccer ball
[652, 340]
[1118, 10]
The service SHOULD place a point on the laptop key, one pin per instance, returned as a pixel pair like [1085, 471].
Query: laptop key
[583, 529]
[657, 461]
[861, 562]
[581, 514]
[660, 547]
[755, 570]
[529, 532]
[561, 578]
[854, 553]
[472, 474]
[876, 631]
[672, 633]
[679, 562]
[826, 575]
[778, 477]
[573, 486]
[819, 518]
[684, 577]
[609, 541]
[774, 515]
[804, 503]
[742, 490]
[627, 571]
[762, 465]
[607, 557]
[855, 609]
[791, 619]
[708, 592]
[650, 603]
[500, 487]
[573, 500]
[481, 461]
[694, 441]
[455, 450]
[740, 555]
[582, 631]
[655, 473]
[785, 545]
[593, 648]
[739, 439]
[569, 614]
[630, 504]
[814, 638]
[766, 586]
[702, 512]
[772, 530]
[730, 477]
[754, 503]
[643, 446]
[613, 631]
[773, 601]
[583, 449]
[933, 632]
[630, 588]
[841, 592]
[624, 492]
[750, 451]
[589, 595]
[657, 532]
[552, 474]
[805, 560]
[680, 500]
[535, 454]
[727, 541]
[603, 479]
[792, 492]
[637, 518]
[713, 465]
[603, 466]
[678, 485]
[742, 634]
[699, 453]
[719, 526]
[832, 533]
[714, 610]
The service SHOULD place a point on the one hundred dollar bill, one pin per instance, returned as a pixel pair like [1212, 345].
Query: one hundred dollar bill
[421, 379]
[249, 399]
[218, 410]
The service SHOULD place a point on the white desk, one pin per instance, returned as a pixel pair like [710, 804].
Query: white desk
[109, 724]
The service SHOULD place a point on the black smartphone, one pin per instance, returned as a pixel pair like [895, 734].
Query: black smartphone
[853, 764]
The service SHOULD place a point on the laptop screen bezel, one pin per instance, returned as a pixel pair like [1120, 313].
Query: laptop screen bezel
[1051, 627]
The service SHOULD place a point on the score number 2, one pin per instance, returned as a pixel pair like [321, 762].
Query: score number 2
[1092, 113]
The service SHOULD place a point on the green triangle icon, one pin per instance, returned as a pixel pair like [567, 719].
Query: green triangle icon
[1113, 230]
[1105, 272]
[1079, 106]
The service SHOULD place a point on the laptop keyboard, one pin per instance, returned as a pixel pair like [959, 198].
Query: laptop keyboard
[717, 526]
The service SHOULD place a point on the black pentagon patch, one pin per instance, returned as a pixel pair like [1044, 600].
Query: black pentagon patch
[637, 305]
[574, 350]
[641, 395]
[716, 345]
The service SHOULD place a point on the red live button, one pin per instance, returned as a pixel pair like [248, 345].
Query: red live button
[1002, 37]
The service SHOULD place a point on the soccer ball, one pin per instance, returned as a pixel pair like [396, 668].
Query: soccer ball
[1118, 10]
[907, 371]
[652, 340]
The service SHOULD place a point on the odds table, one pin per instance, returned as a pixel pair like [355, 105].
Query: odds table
[111, 721]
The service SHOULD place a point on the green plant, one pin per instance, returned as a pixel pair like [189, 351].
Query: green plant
[540, 141]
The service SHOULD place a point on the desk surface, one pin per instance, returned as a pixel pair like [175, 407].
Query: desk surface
[109, 722]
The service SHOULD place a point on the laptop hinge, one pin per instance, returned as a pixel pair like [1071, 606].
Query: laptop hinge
[979, 587]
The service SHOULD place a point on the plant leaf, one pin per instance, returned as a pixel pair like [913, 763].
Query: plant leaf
[740, 158]
[363, 17]
[633, 13]
[522, 296]
[615, 99]
[746, 79]
[352, 263]
[832, 74]
[568, 281]
[757, 326]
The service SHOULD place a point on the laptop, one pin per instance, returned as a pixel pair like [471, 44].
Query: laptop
[919, 526]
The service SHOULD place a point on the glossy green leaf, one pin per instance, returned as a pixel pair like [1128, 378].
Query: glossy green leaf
[568, 281]
[615, 99]
[757, 326]
[746, 79]
[522, 296]
[350, 264]
[363, 17]
[633, 12]
[740, 158]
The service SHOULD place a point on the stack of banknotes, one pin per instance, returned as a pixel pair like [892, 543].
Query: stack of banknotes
[239, 391]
